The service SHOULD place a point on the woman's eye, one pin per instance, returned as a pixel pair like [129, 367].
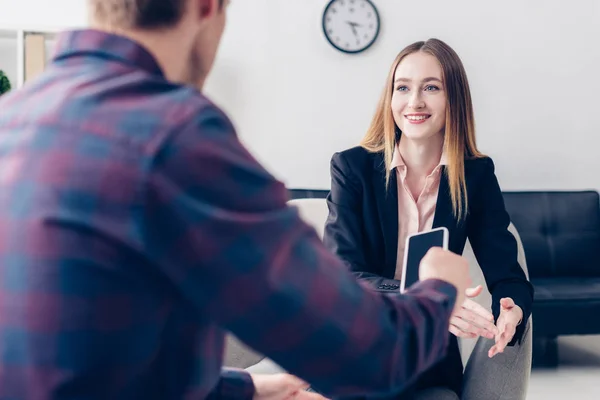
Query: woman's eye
[431, 88]
[402, 89]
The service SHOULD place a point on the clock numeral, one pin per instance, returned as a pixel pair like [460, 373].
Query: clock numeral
[333, 10]
[352, 10]
[357, 42]
[369, 14]
[366, 36]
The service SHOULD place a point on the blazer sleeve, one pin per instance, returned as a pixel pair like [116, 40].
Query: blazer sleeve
[343, 233]
[496, 248]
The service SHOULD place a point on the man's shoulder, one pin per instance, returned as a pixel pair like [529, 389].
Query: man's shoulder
[164, 112]
[189, 102]
[182, 105]
[186, 111]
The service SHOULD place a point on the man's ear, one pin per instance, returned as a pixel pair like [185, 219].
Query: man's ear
[205, 9]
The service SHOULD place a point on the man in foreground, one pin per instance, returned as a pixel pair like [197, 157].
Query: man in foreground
[136, 229]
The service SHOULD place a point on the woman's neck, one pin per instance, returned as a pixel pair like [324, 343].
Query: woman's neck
[421, 157]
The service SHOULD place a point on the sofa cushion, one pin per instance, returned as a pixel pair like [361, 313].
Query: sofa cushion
[566, 306]
[573, 289]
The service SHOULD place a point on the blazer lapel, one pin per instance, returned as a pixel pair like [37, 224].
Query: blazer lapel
[444, 215]
[443, 208]
[387, 209]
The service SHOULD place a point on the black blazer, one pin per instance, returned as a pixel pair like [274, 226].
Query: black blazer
[362, 229]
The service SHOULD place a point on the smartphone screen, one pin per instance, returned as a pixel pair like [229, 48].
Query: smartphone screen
[416, 248]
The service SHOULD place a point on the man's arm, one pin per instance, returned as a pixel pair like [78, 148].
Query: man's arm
[219, 226]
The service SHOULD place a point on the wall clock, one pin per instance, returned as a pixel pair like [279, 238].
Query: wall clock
[351, 26]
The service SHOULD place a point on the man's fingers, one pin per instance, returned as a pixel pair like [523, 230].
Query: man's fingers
[292, 383]
[459, 333]
[297, 383]
[470, 321]
[480, 325]
[277, 386]
[304, 395]
[461, 324]
[460, 328]
[474, 292]
[479, 309]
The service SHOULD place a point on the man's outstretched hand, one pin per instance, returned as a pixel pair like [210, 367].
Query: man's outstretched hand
[282, 387]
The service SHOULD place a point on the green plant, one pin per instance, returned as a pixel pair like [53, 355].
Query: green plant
[4, 83]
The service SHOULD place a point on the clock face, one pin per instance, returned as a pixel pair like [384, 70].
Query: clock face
[351, 26]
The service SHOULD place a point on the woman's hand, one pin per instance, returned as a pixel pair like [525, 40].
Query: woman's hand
[510, 317]
[472, 320]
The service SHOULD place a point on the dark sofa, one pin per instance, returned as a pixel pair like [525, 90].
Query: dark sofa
[561, 237]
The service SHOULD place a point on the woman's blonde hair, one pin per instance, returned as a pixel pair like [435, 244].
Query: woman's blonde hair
[459, 137]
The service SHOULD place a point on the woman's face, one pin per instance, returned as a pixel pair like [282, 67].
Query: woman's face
[419, 99]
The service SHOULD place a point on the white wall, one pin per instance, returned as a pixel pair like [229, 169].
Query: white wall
[8, 56]
[34, 15]
[43, 13]
[532, 65]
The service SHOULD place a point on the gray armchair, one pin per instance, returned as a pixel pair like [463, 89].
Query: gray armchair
[513, 382]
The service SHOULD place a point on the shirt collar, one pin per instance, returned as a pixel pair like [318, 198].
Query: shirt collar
[105, 45]
[398, 161]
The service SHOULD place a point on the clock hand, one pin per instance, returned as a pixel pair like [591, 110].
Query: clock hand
[353, 25]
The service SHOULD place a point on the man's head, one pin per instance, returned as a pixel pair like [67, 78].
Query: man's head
[192, 26]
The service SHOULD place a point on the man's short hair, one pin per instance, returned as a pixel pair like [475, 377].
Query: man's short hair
[141, 14]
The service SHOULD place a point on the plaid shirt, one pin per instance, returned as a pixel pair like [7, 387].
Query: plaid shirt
[136, 229]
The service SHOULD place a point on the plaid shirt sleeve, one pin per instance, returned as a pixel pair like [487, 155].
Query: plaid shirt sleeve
[233, 384]
[220, 228]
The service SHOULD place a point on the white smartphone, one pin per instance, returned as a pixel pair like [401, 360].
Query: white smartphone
[417, 246]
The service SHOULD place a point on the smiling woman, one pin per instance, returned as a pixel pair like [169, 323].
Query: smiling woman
[443, 65]
[418, 168]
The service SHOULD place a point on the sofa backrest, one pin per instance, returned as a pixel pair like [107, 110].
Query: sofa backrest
[560, 231]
